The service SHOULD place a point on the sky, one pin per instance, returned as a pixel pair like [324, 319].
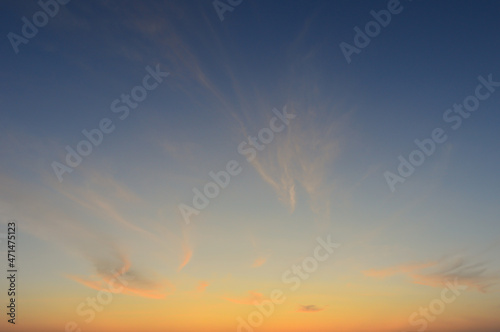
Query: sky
[238, 165]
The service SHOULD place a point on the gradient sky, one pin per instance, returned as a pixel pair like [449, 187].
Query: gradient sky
[322, 176]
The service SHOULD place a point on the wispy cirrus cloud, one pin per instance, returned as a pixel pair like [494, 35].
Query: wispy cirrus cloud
[87, 234]
[250, 299]
[310, 308]
[202, 286]
[116, 269]
[404, 269]
[259, 262]
[187, 254]
[475, 275]
[187, 250]
[301, 158]
[104, 197]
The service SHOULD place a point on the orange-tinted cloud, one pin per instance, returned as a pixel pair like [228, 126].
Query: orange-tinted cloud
[383, 273]
[201, 286]
[103, 197]
[251, 299]
[259, 261]
[187, 254]
[123, 280]
[436, 274]
[187, 257]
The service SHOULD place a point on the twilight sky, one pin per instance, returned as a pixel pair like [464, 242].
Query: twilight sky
[356, 172]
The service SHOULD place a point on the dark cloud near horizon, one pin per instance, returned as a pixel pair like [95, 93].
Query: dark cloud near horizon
[310, 308]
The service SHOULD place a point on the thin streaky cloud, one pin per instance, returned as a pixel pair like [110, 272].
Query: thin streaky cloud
[310, 308]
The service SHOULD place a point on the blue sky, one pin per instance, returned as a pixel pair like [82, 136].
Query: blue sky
[323, 174]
